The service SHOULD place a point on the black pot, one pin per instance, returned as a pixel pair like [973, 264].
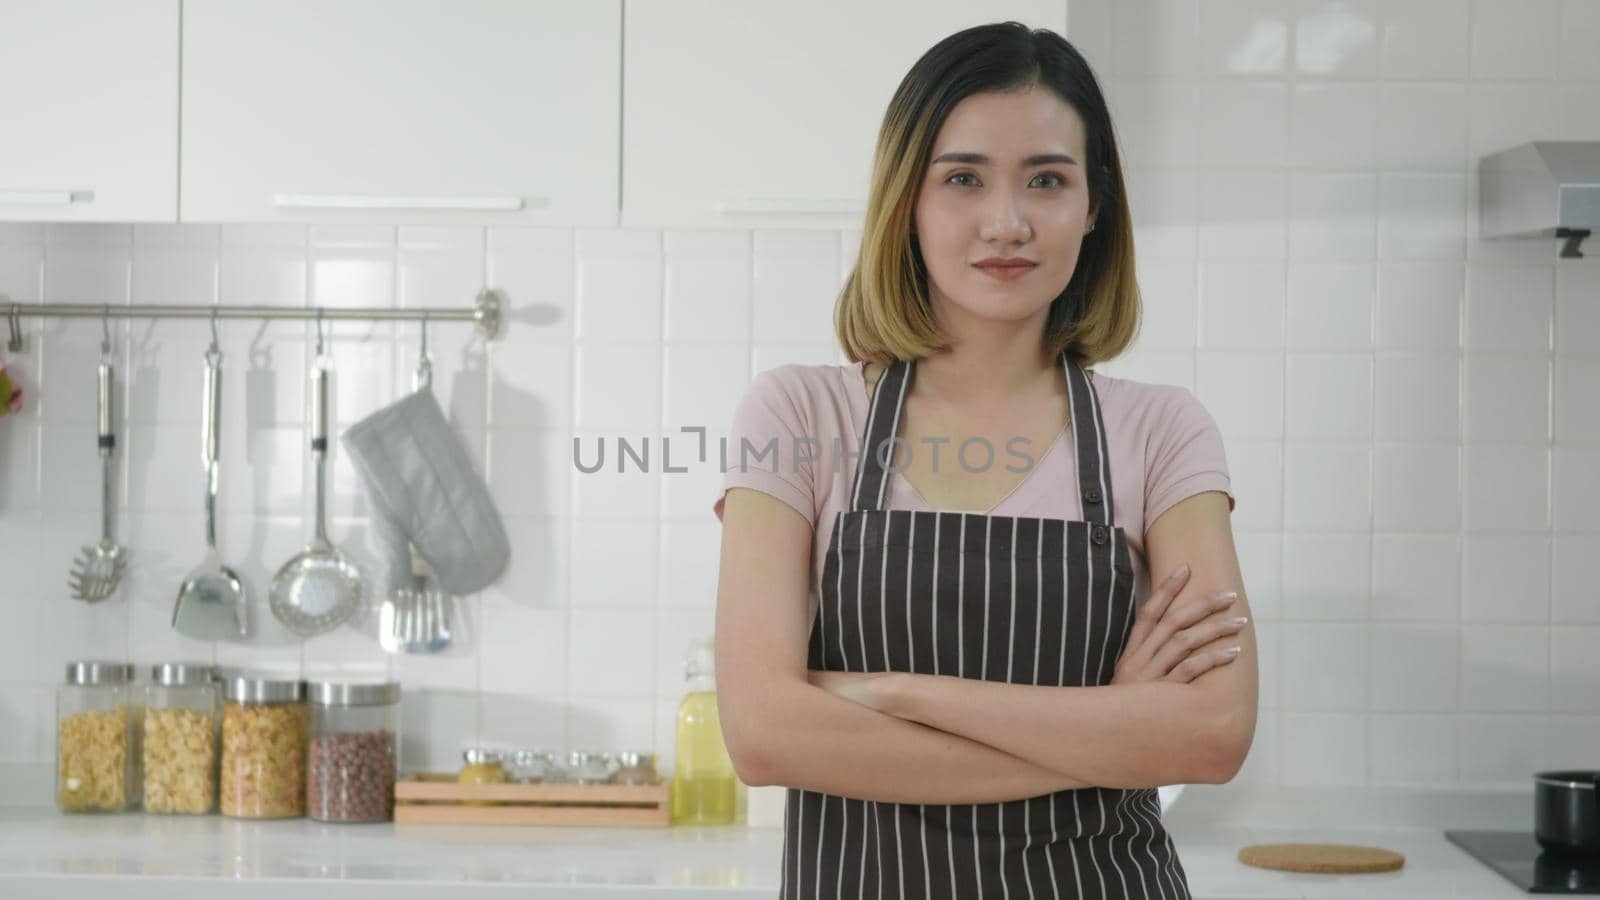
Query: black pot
[1567, 811]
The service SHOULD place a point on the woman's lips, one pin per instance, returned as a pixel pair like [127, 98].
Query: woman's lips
[1009, 272]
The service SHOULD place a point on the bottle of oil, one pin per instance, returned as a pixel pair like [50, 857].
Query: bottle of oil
[705, 790]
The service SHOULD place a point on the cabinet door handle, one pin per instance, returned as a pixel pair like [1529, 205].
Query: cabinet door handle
[396, 201]
[752, 206]
[41, 198]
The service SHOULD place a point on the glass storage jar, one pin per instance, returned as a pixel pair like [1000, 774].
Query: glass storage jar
[178, 734]
[351, 769]
[264, 727]
[96, 758]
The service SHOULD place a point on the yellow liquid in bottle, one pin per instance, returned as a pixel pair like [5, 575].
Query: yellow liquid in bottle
[704, 785]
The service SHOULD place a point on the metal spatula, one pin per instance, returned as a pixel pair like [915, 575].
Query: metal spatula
[415, 616]
[98, 569]
[211, 602]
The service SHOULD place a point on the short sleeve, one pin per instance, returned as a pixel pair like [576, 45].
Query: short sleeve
[1184, 456]
[767, 447]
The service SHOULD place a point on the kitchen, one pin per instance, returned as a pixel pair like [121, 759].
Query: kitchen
[1405, 397]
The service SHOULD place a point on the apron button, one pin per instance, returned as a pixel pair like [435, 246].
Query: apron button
[1099, 535]
[1091, 496]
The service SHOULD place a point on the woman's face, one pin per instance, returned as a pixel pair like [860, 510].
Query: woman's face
[1006, 180]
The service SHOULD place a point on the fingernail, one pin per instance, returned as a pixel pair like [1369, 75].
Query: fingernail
[1180, 571]
[1226, 597]
[1240, 621]
[1232, 651]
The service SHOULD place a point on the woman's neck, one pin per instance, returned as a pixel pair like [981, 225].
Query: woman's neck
[990, 364]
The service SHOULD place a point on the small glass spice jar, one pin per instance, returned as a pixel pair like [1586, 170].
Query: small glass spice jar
[532, 766]
[96, 757]
[482, 765]
[264, 727]
[178, 736]
[354, 746]
[636, 767]
[589, 767]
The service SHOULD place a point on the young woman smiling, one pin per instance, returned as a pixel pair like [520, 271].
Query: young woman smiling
[959, 662]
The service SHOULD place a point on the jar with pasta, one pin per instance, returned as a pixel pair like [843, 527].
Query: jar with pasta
[350, 776]
[265, 723]
[96, 767]
[178, 739]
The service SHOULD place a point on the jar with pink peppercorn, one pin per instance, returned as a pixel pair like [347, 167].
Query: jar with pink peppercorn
[354, 747]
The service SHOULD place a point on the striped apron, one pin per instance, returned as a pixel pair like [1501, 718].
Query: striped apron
[1018, 600]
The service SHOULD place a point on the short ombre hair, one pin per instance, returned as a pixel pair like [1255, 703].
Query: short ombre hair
[883, 313]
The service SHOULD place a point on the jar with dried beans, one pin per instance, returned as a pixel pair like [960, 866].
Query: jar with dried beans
[354, 751]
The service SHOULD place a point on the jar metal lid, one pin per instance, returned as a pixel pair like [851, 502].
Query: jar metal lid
[99, 672]
[339, 693]
[532, 758]
[174, 674]
[242, 688]
[474, 756]
[636, 759]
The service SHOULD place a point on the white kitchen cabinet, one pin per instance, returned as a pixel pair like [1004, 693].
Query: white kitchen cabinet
[89, 90]
[401, 111]
[764, 113]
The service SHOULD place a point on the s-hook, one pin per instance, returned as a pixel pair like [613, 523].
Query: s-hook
[214, 352]
[15, 321]
[424, 374]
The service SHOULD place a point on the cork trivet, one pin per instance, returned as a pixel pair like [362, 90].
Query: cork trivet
[1339, 858]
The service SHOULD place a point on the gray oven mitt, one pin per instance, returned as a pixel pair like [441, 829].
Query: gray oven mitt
[423, 488]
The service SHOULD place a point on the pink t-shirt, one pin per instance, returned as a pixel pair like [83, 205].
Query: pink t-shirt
[1164, 447]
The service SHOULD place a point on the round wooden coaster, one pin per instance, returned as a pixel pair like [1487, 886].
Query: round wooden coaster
[1340, 858]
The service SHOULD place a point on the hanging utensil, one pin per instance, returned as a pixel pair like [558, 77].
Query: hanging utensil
[98, 568]
[319, 589]
[415, 617]
[211, 602]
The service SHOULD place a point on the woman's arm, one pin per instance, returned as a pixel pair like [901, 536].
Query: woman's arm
[782, 730]
[1120, 735]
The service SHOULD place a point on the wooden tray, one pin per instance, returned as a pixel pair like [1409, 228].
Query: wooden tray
[435, 798]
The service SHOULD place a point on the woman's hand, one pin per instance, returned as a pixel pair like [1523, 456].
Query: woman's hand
[1167, 636]
[870, 689]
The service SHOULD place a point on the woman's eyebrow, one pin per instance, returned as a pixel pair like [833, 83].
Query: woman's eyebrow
[979, 159]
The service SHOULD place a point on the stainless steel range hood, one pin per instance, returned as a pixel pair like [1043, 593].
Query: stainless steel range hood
[1548, 189]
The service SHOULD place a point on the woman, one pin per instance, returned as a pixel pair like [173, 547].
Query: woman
[937, 649]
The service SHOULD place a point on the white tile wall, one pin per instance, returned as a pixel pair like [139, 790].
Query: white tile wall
[1408, 410]
[618, 335]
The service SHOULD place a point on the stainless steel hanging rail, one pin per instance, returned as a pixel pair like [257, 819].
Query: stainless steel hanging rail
[484, 313]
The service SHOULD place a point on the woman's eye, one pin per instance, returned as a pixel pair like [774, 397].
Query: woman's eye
[1051, 179]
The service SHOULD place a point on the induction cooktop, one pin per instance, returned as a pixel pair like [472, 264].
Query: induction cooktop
[1520, 859]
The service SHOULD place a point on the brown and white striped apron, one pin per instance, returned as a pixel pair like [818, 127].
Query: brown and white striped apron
[1019, 600]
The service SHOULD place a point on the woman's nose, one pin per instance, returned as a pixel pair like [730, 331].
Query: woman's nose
[1003, 219]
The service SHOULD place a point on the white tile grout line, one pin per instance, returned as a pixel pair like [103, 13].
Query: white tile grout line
[1461, 422]
[571, 521]
[661, 487]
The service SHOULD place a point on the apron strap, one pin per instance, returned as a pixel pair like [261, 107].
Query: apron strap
[877, 443]
[1089, 439]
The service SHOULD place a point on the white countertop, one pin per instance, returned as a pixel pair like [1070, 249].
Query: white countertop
[46, 854]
